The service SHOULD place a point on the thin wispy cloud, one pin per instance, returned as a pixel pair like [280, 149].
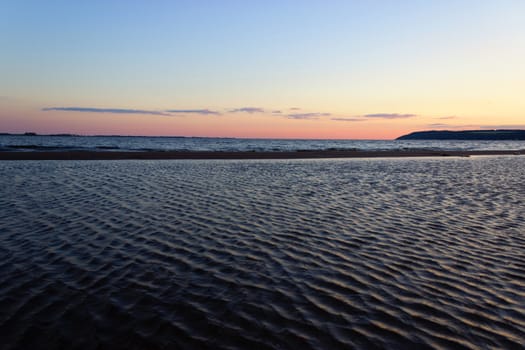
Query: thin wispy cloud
[476, 126]
[389, 115]
[452, 126]
[295, 109]
[276, 112]
[503, 126]
[105, 110]
[249, 110]
[307, 116]
[349, 119]
[439, 125]
[193, 111]
[448, 117]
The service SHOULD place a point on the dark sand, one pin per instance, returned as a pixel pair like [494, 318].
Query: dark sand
[404, 253]
[91, 155]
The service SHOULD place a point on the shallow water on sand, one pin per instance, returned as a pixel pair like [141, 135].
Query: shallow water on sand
[299, 254]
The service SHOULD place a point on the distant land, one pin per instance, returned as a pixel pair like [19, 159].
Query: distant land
[498, 135]
[95, 135]
[475, 135]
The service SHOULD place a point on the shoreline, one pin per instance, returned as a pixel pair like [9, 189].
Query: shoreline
[145, 155]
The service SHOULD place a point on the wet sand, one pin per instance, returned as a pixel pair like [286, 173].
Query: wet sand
[402, 253]
[93, 155]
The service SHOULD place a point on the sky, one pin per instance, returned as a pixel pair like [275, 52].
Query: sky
[323, 69]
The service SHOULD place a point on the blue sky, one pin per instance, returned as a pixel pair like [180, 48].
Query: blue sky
[346, 58]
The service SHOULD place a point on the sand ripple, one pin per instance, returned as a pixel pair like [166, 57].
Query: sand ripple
[401, 253]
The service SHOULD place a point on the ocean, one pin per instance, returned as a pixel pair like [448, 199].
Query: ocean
[263, 254]
[144, 143]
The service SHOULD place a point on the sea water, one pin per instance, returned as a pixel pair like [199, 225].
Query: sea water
[143, 143]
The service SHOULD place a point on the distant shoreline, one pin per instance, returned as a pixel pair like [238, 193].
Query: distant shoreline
[467, 135]
[90, 155]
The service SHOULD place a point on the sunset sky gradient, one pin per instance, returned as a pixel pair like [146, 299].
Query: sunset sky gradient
[269, 69]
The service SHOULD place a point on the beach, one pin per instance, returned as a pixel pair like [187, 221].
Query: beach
[383, 252]
[310, 154]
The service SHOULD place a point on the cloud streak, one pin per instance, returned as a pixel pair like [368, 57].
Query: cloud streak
[169, 112]
[307, 116]
[193, 111]
[105, 110]
[249, 110]
[440, 125]
[362, 118]
[349, 119]
[469, 126]
[389, 115]
[476, 126]
[503, 126]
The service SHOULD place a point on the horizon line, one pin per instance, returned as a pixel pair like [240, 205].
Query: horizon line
[181, 136]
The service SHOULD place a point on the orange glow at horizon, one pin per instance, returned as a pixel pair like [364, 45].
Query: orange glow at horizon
[239, 126]
[18, 117]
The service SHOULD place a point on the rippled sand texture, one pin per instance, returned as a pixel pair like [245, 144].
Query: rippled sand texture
[326, 254]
